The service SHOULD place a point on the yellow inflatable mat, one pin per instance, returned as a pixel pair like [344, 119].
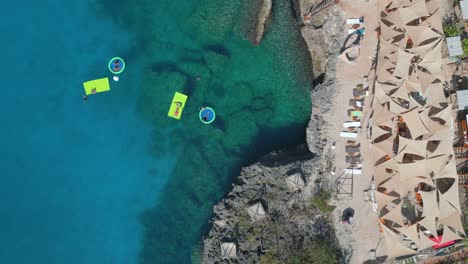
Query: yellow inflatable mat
[177, 105]
[99, 85]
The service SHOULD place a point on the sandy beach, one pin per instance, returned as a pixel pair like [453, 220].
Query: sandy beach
[363, 235]
[354, 171]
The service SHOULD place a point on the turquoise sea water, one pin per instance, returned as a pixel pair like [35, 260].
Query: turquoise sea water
[113, 179]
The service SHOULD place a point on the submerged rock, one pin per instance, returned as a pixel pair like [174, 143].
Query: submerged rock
[263, 17]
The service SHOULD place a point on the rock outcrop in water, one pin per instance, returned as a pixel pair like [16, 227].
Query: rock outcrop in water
[263, 17]
[292, 226]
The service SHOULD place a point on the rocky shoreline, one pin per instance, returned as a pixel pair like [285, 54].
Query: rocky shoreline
[292, 224]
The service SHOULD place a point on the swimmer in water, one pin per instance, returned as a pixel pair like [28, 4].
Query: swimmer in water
[116, 65]
[85, 97]
[197, 77]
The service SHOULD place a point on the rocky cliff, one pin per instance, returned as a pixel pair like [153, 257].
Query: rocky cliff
[324, 35]
[291, 224]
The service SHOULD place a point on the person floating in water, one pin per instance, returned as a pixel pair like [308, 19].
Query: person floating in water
[178, 106]
[205, 117]
[197, 78]
[116, 65]
[85, 97]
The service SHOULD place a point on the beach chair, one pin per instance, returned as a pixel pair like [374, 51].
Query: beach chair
[355, 159]
[353, 171]
[356, 102]
[352, 149]
[351, 21]
[346, 134]
[352, 124]
[360, 92]
[354, 113]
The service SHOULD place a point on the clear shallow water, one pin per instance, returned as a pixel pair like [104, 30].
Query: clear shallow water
[114, 180]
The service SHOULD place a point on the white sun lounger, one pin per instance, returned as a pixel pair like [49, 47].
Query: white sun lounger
[353, 171]
[348, 134]
[351, 124]
[352, 21]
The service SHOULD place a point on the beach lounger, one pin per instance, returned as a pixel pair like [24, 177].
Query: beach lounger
[354, 113]
[360, 92]
[348, 134]
[353, 159]
[351, 21]
[353, 109]
[351, 124]
[356, 103]
[352, 149]
[353, 171]
[351, 31]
